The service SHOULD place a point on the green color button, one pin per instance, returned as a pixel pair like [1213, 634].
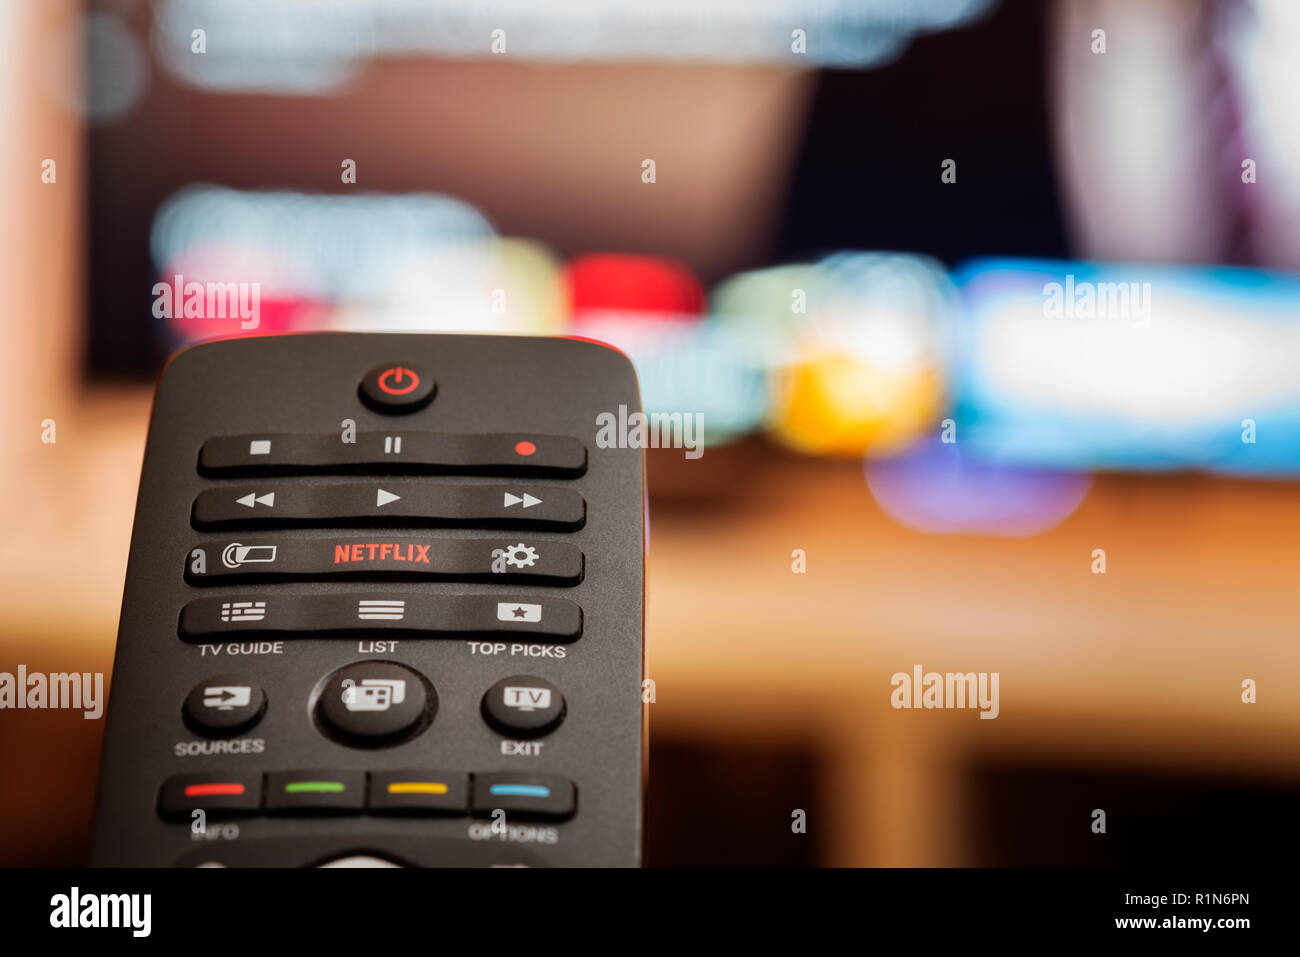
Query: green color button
[314, 787]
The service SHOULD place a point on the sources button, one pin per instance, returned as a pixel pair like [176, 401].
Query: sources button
[223, 705]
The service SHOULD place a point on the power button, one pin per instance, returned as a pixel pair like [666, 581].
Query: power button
[397, 387]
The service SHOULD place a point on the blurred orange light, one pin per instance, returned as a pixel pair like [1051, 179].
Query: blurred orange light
[844, 406]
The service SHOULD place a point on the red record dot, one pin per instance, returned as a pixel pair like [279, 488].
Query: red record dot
[525, 448]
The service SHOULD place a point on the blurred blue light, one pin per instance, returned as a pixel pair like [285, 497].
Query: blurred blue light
[1085, 365]
[360, 247]
[301, 46]
[686, 367]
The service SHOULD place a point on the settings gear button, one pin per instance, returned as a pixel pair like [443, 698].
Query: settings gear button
[514, 560]
[513, 556]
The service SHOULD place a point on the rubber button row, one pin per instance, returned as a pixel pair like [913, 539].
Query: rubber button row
[390, 503]
[374, 704]
[385, 558]
[395, 451]
[408, 791]
[399, 615]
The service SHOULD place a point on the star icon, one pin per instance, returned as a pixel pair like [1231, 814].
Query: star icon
[520, 612]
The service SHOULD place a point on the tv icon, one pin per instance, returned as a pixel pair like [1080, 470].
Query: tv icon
[526, 699]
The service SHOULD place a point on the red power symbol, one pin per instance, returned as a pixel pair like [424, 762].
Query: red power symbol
[397, 373]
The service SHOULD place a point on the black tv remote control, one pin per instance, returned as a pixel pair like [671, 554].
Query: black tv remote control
[383, 607]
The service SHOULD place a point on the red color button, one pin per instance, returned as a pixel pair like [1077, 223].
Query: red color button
[207, 790]
[525, 448]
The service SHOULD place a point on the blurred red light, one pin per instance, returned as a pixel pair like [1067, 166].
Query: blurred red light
[635, 285]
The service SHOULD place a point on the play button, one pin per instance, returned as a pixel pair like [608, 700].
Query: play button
[383, 498]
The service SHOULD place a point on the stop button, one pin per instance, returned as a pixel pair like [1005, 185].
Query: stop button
[397, 387]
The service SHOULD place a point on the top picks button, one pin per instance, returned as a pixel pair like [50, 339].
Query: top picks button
[397, 387]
